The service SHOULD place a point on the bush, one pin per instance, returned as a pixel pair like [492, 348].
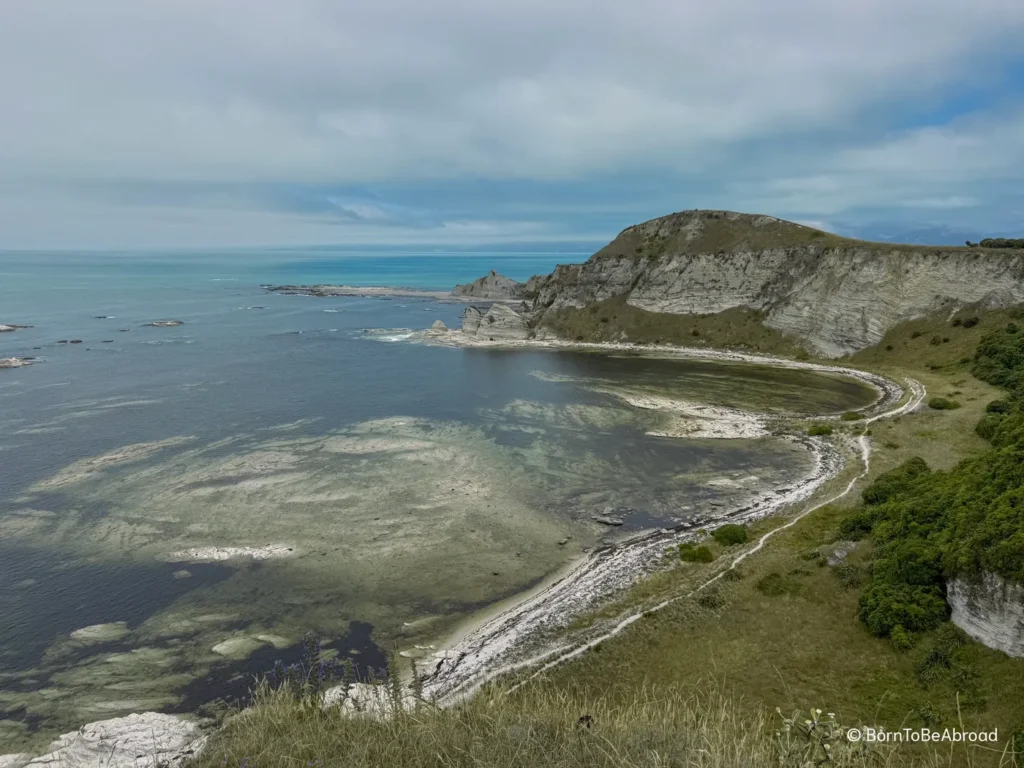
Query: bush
[819, 430]
[935, 340]
[902, 641]
[857, 525]
[998, 406]
[730, 534]
[711, 599]
[852, 416]
[691, 553]
[970, 322]
[943, 404]
[886, 606]
[849, 575]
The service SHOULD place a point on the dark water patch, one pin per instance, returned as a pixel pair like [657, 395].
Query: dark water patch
[233, 681]
[43, 598]
[20, 714]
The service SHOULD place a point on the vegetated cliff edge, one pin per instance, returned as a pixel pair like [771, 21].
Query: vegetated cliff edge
[829, 294]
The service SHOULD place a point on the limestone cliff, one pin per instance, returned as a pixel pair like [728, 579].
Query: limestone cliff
[491, 286]
[498, 323]
[991, 610]
[832, 294]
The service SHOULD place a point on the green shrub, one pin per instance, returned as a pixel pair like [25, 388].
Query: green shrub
[852, 416]
[819, 430]
[730, 534]
[814, 556]
[849, 575]
[902, 641]
[885, 606]
[691, 553]
[998, 406]
[857, 525]
[943, 404]
[711, 599]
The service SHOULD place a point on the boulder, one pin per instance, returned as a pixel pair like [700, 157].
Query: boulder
[148, 740]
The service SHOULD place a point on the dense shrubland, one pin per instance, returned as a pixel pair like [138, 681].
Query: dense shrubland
[927, 526]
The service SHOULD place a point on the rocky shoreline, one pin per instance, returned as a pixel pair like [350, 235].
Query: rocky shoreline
[513, 638]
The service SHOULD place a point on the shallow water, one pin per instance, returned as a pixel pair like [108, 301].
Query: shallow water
[412, 484]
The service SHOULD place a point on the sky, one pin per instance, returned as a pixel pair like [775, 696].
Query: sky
[450, 123]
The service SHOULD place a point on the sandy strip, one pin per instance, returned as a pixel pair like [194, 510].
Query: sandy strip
[508, 641]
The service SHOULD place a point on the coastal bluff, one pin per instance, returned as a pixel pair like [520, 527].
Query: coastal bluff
[829, 294]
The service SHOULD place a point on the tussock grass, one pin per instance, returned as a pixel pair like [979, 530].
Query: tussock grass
[541, 726]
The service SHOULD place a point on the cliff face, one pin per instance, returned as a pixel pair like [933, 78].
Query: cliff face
[491, 286]
[834, 295]
[990, 610]
[498, 323]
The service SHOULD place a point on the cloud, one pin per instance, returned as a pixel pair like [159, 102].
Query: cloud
[795, 105]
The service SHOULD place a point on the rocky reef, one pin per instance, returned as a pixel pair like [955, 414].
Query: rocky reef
[15, 362]
[830, 294]
[990, 610]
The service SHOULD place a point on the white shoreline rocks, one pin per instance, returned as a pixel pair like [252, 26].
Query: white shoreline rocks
[217, 554]
[149, 740]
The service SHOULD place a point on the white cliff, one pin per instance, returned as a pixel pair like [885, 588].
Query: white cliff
[835, 295]
[499, 323]
[990, 610]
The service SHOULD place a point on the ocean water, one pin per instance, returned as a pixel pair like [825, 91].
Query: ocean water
[405, 485]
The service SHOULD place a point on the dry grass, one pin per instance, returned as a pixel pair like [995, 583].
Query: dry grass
[655, 726]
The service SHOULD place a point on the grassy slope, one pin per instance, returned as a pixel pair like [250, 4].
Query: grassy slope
[615, 320]
[755, 652]
[724, 233]
[807, 648]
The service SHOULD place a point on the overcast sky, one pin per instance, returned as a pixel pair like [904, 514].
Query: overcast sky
[138, 123]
